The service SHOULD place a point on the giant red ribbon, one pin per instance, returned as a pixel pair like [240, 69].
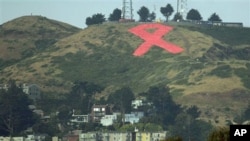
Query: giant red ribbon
[154, 38]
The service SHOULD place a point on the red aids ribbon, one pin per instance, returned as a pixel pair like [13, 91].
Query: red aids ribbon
[154, 38]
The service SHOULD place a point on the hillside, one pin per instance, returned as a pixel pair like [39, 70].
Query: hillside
[212, 72]
[26, 36]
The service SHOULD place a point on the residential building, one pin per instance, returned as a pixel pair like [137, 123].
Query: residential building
[99, 111]
[134, 117]
[12, 138]
[136, 103]
[80, 118]
[108, 120]
[143, 136]
[117, 136]
[32, 90]
[158, 136]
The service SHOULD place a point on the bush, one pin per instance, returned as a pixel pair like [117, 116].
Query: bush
[223, 71]
[220, 134]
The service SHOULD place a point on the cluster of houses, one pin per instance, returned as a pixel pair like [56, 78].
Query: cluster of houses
[104, 115]
[32, 90]
[97, 136]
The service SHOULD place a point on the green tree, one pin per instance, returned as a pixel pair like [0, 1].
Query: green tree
[194, 14]
[143, 13]
[95, 19]
[116, 15]
[177, 17]
[82, 95]
[167, 11]
[151, 17]
[15, 115]
[193, 111]
[214, 18]
[165, 108]
[189, 128]
[122, 99]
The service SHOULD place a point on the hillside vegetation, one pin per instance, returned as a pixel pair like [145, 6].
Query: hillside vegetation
[215, 61]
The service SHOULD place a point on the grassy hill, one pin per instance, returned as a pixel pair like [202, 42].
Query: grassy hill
[213, 72]
[28, 35]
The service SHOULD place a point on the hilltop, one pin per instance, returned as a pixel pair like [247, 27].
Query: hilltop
[26, 36]
[213, 71]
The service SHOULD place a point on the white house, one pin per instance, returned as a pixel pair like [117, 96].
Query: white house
[134, 117]
[108, 120]
[136, 103]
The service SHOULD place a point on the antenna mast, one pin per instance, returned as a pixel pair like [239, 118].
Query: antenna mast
[127, 10]
[182, 7]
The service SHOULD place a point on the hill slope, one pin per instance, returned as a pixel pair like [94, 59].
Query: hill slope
[28, 35]
[213, 69]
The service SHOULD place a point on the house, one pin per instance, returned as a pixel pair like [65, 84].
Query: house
[158, 136]
[136, 103]
[99, 111]
[32, 90]
[4, 87]
[117, 136]
[108, 120]
[11, 139]
[70, 138]
[143, 136]
[88, 136]
[134, 117]
[36, 137]
[80, 118]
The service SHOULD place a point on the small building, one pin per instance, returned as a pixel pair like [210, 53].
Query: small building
[108, 120]
[80, 118]
[158, 136]
[134, 117]
[99, 111]
[88, 136]
[32, 90]
[117, 136]
[11, 139]
[136, 103]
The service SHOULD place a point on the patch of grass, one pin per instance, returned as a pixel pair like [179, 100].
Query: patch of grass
[244, 74]
[222, 71]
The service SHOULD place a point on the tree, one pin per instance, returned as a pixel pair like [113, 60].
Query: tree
[151, 17]
[193, 111]
[167, 11]
[214, 18]
[81, 95]
[143, 13]
[116, 15]
[194, 14]
[15, 115]
[166, 108]
[95, 19]
[122, 99]
[177, 17]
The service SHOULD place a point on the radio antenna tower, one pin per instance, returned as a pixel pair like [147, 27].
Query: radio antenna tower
[182, 8]
[127, 10]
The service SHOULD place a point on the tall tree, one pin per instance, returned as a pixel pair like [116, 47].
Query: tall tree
[122, 99]
[95, 19]
[214, 18]
[178, 17]
[151, 17]
[15, 115]
[166, 108]
[194, 14]
[167, 11]
[143, 13]
[116, 15]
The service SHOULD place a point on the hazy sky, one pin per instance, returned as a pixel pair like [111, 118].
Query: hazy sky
[75, 12]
